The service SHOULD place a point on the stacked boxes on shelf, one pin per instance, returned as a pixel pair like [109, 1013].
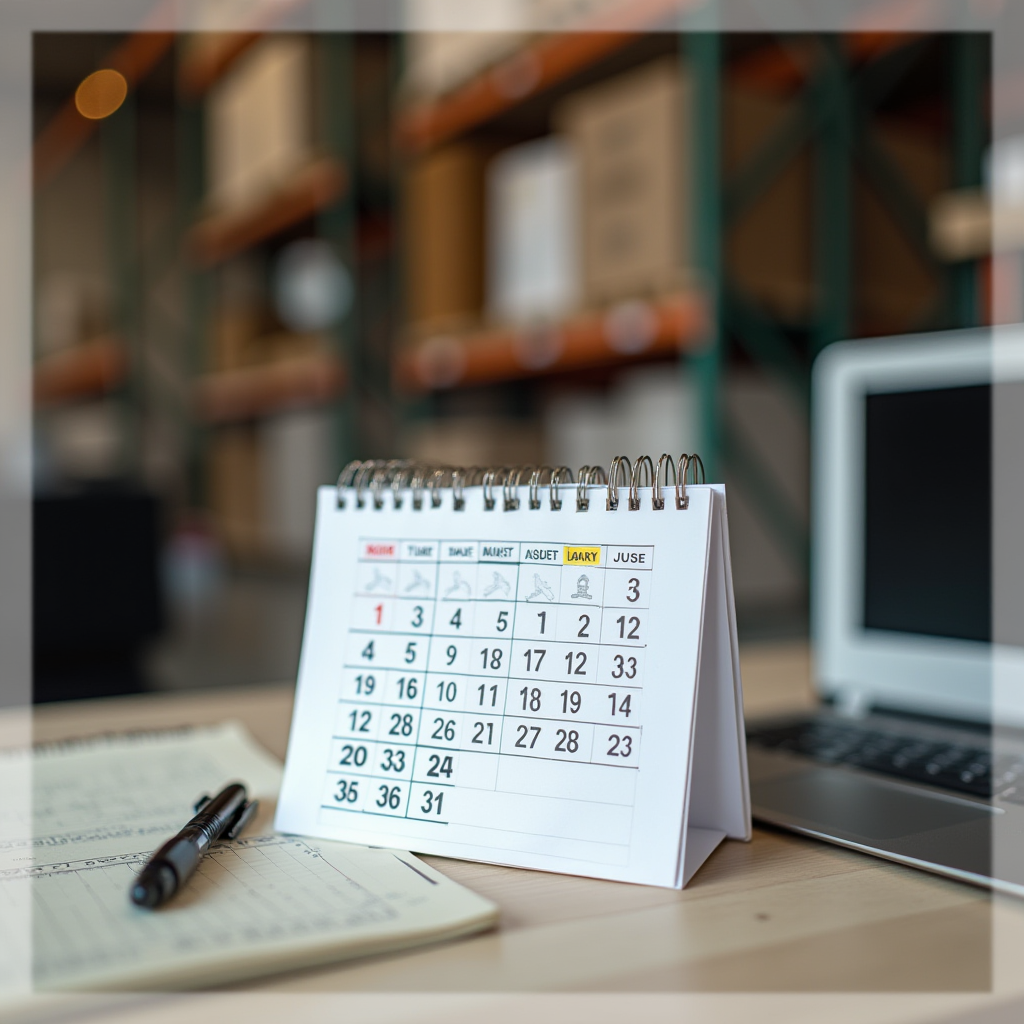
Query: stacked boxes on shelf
[444, 211]
[265, 387]
[450, 43]
[600, 213]
[634, 196]
[259, 122]
[533, 266]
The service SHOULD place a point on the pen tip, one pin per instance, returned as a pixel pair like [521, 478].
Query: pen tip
[144, 895]
[155, 883]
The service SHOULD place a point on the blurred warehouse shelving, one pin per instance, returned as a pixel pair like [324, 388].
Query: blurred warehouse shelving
[853, 133]
[92, 369]
[789, 197]
[305, 193]
[628, 331]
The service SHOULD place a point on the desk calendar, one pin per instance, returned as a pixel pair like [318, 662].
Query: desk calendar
[540, 675]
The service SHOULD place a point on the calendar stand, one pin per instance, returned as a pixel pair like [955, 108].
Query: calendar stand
[551, 684]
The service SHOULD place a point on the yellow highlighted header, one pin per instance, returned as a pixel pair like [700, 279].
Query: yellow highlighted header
[582, 556]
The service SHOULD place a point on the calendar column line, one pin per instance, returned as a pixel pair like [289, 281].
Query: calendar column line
[508, 675]
[426, 674]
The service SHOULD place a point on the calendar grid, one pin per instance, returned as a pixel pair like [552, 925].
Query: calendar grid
[560, 687]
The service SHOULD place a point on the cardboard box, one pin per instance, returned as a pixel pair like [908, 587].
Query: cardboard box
[634, 186]
[532, 255]
[259, 128]
[634, 143]
[448, 42]
[444, 206]
[439, 62]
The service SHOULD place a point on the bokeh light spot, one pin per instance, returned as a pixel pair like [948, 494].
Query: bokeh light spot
[101, 94]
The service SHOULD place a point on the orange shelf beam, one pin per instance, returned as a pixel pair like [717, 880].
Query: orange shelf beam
[200, 73]
[541, 64]
[556, 58]
[255, 391]
[537, 67]
[312, 189]
[625, 333]
[89, 370]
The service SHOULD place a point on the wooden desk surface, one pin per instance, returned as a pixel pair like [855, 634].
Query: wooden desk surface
[781, 914]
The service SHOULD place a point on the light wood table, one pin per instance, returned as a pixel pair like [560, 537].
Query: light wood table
[781, 914]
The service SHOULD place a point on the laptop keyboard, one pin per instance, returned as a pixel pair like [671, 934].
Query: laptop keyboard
[951, 766]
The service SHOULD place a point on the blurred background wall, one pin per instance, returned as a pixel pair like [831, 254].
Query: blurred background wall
[258, 255]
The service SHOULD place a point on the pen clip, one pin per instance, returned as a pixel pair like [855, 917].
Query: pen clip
[245, 815]
[201, 803]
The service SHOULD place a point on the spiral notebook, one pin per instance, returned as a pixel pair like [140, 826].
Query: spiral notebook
[522, 667]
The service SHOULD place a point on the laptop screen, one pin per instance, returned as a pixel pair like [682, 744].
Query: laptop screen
[928, 514]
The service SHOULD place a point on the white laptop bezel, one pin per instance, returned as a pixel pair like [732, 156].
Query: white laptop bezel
[859, 666]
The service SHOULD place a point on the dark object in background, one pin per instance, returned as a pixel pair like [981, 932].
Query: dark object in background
[96, 599]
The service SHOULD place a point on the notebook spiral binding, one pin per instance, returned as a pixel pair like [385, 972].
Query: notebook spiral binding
[375, 477]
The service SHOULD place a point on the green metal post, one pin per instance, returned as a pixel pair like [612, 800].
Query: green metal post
[832, 222]
[338, 223]
[969, 138]
[702, 53]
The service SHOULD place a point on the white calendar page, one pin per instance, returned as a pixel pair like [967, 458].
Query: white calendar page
[516, 687]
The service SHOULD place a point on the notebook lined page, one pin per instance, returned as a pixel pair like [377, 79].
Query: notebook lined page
[263, 902]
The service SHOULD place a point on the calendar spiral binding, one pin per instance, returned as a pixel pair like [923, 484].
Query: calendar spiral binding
[376, 476]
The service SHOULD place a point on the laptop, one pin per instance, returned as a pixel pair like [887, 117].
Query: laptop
[916, 750]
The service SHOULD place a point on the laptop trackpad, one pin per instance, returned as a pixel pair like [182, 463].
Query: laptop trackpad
[841, 802]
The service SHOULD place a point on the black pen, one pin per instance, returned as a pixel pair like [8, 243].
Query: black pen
[222, 817]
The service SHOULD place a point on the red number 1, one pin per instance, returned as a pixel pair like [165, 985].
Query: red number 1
[379, 610]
